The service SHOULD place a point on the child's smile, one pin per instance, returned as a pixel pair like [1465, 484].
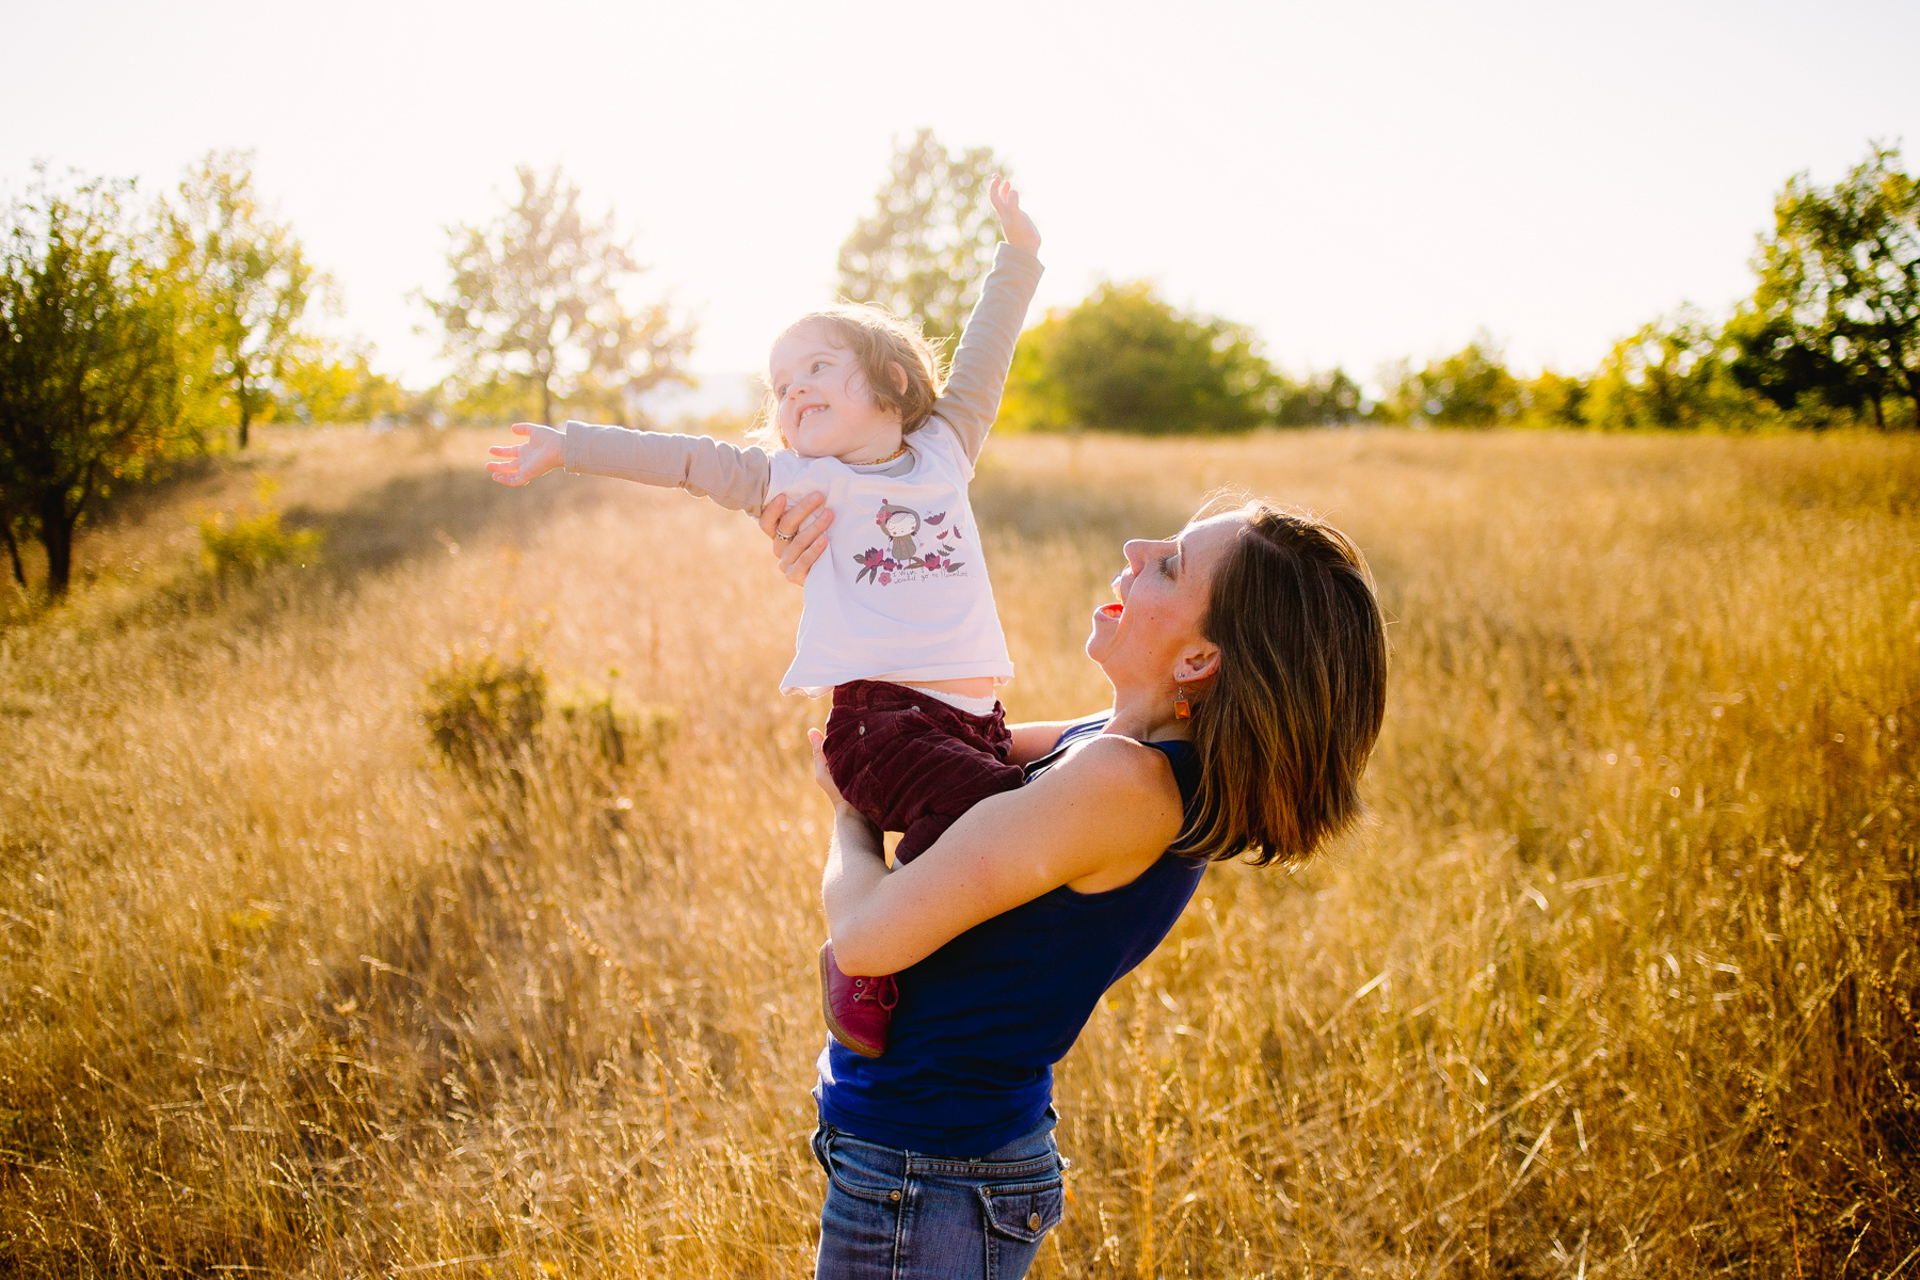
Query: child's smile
[825, 410]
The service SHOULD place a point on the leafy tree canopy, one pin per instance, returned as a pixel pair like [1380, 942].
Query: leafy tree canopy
[535, 297]
[327, 382]
[1470, 388]
[248, 280]
[1325, 399]
[930, 239]
[1126, 360]
[1554, 400]
[91, 355]
[1669, 374]
[1836, 316]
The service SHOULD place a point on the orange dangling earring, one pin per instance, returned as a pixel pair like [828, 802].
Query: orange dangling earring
[1182, 709]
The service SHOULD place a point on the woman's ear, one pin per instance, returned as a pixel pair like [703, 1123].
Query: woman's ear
[1202, 662]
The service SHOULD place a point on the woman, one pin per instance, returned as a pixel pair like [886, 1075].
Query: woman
[1248, 662]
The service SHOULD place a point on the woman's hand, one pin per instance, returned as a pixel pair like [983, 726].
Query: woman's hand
[544, 450]
[799, 535]
[822, 775]
[1015, 225]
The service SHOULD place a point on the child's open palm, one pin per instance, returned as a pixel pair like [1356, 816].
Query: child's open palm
[544, 450]
[1015, 225]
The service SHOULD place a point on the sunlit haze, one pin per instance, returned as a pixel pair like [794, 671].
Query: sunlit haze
[1357, 182]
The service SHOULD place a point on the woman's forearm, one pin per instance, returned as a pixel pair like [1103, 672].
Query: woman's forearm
[1036, 738]
[856, 864]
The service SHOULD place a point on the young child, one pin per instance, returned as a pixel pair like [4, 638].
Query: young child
[898, 620]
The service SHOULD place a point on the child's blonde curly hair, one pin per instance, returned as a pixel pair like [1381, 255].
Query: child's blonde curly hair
[880, 342]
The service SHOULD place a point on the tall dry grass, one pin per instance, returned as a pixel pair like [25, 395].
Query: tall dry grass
[1618, 982]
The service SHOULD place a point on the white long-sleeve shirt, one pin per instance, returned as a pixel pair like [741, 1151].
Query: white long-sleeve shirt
[902, 591]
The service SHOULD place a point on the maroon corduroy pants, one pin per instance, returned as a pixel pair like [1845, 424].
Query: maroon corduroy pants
[912, 763]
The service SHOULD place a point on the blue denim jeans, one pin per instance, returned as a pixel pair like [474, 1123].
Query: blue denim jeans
[898, 1215]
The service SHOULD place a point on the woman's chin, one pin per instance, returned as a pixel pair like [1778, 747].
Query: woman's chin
[1106, 620]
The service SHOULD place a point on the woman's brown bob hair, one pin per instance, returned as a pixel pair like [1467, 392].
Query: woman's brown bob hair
[1284, 730]
[881, 342]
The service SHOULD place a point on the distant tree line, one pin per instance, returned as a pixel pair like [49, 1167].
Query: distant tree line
[132, 335]
[1830, 336]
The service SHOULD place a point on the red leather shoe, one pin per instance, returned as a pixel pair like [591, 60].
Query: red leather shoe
[858, 1010]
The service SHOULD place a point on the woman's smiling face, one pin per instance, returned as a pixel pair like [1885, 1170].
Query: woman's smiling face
[825, 409]
[1162, 600]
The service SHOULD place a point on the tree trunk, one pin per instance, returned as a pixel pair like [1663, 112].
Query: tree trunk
[13, 549]
[246, 408]
[1879, 412]
[56, 535]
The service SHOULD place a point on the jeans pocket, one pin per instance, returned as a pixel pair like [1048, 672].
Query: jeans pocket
[1024, 1211]
[849, 1173]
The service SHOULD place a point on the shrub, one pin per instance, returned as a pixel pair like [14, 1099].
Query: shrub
[245, 543]
[481, 712]
[619, 735]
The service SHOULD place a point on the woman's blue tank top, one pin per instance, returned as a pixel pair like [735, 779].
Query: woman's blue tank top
[982, 1020]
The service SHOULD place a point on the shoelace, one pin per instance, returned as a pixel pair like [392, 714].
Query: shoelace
[881, 991]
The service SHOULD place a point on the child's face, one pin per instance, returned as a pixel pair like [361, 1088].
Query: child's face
[899, 525]
[825, 408]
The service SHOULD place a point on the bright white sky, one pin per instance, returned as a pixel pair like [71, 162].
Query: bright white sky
[1358, 181]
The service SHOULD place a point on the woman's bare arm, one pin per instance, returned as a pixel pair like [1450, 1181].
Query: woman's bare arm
[1094, 822]
[1037, 738]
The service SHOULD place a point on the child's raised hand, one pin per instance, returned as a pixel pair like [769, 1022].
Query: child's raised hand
[544, 450]
[1015, 225]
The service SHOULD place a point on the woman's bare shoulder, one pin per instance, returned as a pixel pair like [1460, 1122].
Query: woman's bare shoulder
[1122, 799]
[1102, 759]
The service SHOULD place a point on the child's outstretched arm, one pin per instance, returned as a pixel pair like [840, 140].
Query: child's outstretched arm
[706, 468]
[971, 399]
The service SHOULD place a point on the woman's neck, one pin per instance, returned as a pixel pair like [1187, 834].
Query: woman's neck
[1146, 716]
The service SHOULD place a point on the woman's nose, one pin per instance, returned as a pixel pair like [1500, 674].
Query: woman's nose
[1135, 551]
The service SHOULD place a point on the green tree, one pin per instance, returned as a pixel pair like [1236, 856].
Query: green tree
[90, 342]
[1323, 400]
[535, 299]
[1470, 388]
[929, 242]
[1554, 400]
[323, 381]
[1670, 374]
[1125, 360]
[1836, 315]
[249, 276]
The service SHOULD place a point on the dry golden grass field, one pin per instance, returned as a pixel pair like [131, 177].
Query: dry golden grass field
[1620, 980]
